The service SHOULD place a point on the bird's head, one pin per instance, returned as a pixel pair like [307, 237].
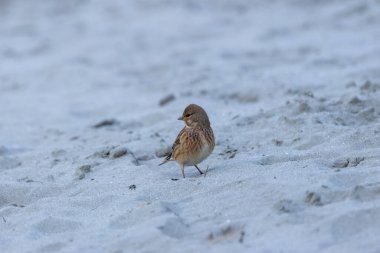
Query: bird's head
[194, 115]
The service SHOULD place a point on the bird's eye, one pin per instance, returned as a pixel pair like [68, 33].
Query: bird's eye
[187, 115]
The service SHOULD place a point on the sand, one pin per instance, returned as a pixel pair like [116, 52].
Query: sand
[90, 93]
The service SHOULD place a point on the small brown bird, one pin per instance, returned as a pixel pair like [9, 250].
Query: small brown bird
[195, 141]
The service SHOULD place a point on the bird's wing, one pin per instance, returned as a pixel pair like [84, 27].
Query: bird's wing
[177, 141]
[175, 145]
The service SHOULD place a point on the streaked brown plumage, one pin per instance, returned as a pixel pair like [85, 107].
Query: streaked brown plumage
[195, 141]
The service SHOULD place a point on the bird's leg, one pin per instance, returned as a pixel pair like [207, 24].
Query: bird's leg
[183, 170]
[198, 169]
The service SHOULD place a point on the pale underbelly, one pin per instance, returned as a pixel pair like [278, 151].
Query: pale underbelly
[199, 157]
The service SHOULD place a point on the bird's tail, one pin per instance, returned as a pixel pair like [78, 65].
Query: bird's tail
[167, 159]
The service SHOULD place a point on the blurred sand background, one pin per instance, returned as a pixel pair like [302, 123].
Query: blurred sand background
[90, 91]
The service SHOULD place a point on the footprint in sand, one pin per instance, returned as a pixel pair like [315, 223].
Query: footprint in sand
[51, 247]
[7, 163]
[53, 225]
[12, 195]
[20, 196]
[355, 223]
[174, 227]
[227, 233]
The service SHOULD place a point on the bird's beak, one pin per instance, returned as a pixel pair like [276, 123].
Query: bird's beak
[180, 118]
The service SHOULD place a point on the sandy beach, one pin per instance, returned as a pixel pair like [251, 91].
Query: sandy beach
[90, 93]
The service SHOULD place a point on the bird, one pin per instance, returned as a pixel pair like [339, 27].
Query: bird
[195, 142]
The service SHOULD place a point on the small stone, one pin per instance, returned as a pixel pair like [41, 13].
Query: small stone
[104, 153]
[347, 162]
[82, 171]
[167, 99]
[341, 163]
[277, 142]
[355, 161]
[17, 205]
[132, 187]
[105, 123]
[313, 198]
[85, 168]
[119, 152]
[355, 101]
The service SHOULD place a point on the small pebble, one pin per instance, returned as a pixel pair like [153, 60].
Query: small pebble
[167, 99]
[82, 171]
[105, 123]
[119, 152]
[313, 199]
